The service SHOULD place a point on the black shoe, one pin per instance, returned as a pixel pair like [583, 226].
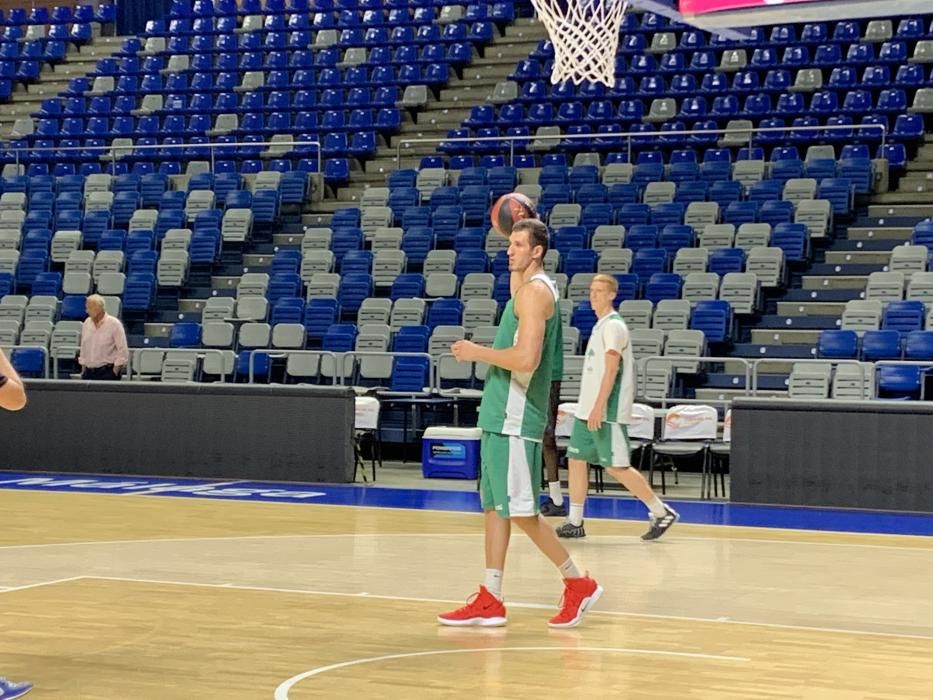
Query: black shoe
[659, 525]
[550, 509]
[570, 531]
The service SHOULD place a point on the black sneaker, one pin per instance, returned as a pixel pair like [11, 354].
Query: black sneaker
[570, 531]
[659, 525]
[550, 509]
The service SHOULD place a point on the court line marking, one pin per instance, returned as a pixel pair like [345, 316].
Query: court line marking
[281, 692]
[635, 538]
[14, 589]
[512, 604]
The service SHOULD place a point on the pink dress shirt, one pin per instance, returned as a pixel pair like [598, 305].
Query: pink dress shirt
[104, 344]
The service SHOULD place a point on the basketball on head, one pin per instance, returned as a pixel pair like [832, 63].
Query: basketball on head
[509, 209]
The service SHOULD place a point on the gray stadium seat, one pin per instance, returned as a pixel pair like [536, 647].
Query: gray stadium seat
[636, 313]
[809, 380]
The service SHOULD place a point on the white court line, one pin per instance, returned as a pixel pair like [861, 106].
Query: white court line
[281, 693]
[13, 589]
[520, 605]
[633, 538]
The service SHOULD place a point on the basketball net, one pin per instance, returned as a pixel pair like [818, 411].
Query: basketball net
[585, 35]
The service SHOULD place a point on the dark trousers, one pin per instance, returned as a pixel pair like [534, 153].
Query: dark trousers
[104, 372]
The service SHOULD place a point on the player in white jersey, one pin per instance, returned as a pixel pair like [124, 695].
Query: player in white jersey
[600, 436]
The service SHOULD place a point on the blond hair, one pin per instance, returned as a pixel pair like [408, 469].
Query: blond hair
[608, 280]
[97, 300]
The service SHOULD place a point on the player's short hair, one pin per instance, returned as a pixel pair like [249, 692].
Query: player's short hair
[608, 280]
[537, 232]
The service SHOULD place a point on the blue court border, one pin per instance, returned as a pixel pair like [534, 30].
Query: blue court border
[608, 507]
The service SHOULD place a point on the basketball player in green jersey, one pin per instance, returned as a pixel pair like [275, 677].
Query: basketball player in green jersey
[599, 436]
[553, 504]
[512, 416]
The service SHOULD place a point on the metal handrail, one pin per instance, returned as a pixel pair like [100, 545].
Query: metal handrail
[73, 349]
[642, 380]
[436, 369]
[338, 376]
[809, 361]
[199, 353]
[369, 353]
[109, 152]
[285, 352]
[629, 135]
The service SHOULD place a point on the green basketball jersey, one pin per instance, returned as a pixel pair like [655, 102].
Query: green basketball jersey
[517, 403]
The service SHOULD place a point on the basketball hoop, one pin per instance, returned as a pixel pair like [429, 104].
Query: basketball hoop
[585, 35]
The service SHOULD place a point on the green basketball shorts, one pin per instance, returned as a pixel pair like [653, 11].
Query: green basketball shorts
[511, 475]
[607, 447]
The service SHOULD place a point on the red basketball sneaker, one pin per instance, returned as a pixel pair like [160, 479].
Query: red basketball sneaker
[483, 609]
[580, 594]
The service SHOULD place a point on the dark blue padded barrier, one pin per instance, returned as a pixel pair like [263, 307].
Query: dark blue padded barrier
[846, 454]
[247, 431]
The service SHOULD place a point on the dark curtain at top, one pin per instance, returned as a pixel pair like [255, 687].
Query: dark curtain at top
[132, 15]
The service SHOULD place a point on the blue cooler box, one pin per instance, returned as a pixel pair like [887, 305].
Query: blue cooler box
[451, 453]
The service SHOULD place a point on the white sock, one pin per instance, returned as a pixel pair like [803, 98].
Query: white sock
[656, 506]
[569, 570]
[553, 488]
[576, 514]
[494, 582]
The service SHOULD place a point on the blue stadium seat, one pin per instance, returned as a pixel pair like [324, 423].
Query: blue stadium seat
[881, 345]
[919, 345]
[663, 285]
[838, 344]
[407, 286]
[793, 239]
[288, 310]
[139, 292]
[411, 339]
[356, 261]
[185, 335]
[648, 261]
[641, 236]
[725, 260]
[471, 261]
[581, 260]
[899, 381]
[583, 318]
[29, 362]
[445, 312]
[284, 285]
[319, 315]
[676, 236]
[714, 318]
[410, 374]
[353, 289]
[904, 316]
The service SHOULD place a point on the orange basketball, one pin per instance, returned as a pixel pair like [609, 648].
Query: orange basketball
[510, 208]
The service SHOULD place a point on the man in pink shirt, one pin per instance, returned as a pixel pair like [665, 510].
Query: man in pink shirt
[104, 352]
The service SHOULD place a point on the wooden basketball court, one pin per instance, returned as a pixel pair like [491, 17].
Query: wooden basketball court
[142, 597]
